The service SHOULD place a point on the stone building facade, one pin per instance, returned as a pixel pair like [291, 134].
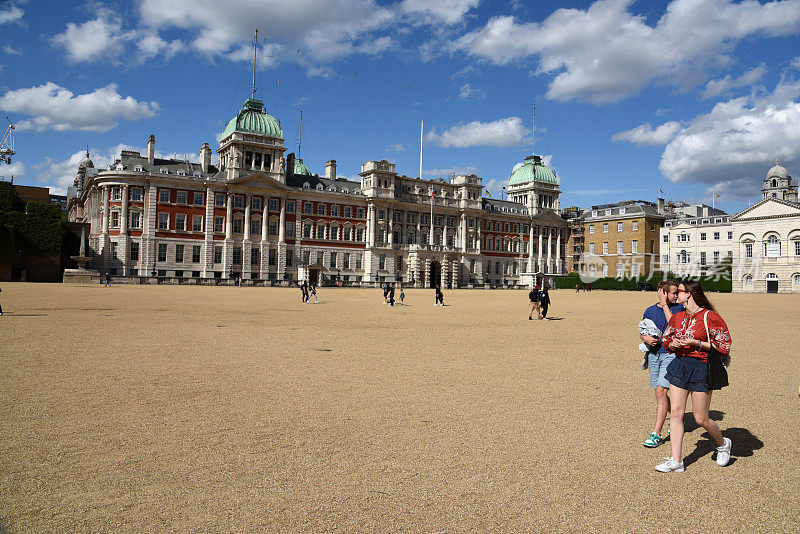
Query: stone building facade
[262, 216]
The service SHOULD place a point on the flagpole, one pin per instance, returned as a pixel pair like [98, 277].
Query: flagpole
[420, 148]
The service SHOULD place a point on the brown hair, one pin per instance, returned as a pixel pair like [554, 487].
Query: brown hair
[664, 285]
[696, 289]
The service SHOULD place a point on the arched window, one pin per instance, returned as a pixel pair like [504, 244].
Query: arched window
[772, 246]
[774, 184]
[748, 281]
[796, 280]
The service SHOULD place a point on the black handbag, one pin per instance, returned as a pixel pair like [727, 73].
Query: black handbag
[716, 374]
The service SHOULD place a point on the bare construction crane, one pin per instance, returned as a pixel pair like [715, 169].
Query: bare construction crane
[7, 144]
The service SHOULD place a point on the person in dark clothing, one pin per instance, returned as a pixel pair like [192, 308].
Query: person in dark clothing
[385, 293]
[391, 295]
[533, 296]
[544, 301]
[439, 297]
[304, 292]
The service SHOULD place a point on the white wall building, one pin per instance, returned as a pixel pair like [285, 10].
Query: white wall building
[696, 240]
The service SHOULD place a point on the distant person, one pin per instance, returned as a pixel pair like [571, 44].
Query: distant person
[658, 358]
[107, 280]
[304, 292]
[577, 288]
[402, 297]
[385, 287]
[391, 295]
[313, 292]
[544, 301]
[691, 334]
[439, 297]
[533, 297]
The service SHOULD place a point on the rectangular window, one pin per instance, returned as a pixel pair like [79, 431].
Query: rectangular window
[320, 209]
[162, 252]
[134, 256]
[334, 232]
[702, 258]
[605, 247]
[116, 193]
[730, 235]
[358, 261]
[619, 227]
[619, 270]
[237, 255]
[290, 206]
[635, 225]
[290, 229]
[163, 221]
[289, 257]
[114, 219]
[255, 256]
[181, 197]
[273, 204]
[702, 236]
[217, 254]
[334, 211]
[255, 226]
[198, 199]
[238, 201]
[665, 259]
[255, 202]
[382, 261]
[634, 246]
[591, 228]
[605, 228]
[666, 238]
[219, 200]
[333, 260]
[716, 236]
[219, 224]
[635, 270]
[114, 250]
[307, 231]
[195, 253]
[619, 247]
[307, 208]
[346, 260]
[273, 228]
[136, 219]
[238, 226]
[320, 258]
[748, 250]
[180, 221]
[348, 212]
[716, 257]
[179, 253]
[382, 215]
[359, 234]
[321, 231]
[359, 213]
[136, 194]
[605, 269]
[346, 233]
[306, 258]
[163, 195]
[197, 223]
[273, 257]
[591, 248]
[797, 248]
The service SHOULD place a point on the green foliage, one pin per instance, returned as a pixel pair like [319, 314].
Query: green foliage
[717, 279]
[33, 228]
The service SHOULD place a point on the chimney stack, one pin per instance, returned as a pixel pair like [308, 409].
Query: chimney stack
[151, 149]
[661, 209]
[330, 170]
[205, 157]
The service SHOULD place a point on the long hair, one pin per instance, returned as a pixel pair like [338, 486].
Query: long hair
[696, 289]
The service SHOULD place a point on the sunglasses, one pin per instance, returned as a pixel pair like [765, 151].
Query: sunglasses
[684, 291]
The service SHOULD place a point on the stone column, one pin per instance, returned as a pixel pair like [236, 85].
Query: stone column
[539, 252]
[264, 222]
[207, 256]
[123, 223]
[227, 251]
[390, 227]
[282, 221]
[558, 252]
[229, 218]
[430, 237]
[549, 248]
[247, 205]
[530, 248]
[479, 225]
[444, 231]
[263, 157]
[463, 232]
[419, 228]
[106, 200]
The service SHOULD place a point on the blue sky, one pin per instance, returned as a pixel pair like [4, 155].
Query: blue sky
[693, 96]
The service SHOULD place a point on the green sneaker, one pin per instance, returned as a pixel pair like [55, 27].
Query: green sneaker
[653, 441]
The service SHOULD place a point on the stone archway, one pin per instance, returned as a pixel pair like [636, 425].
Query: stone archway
[435, 274]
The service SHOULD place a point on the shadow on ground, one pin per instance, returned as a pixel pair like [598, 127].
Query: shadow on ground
[744, 442]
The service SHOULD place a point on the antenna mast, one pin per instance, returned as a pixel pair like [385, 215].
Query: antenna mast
[533, 130]
[255, 47]
[300, 134]
[420, 148]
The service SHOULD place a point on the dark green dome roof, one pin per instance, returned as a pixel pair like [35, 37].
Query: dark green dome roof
[533, 170]
[253, 119]
[300, 167]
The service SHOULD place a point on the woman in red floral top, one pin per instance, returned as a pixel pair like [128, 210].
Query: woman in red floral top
[686, 336]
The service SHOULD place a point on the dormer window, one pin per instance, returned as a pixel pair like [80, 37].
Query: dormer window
[306, 185]
[622, 211]
[119, 166]
[162, 170]
[320, 187]
[181, 172]
[196, 174]
[138, 168]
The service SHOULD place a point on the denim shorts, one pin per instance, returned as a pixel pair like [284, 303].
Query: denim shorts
[688, 373]
[657, 363]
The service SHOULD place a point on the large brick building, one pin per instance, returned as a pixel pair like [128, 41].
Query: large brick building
[261, 216]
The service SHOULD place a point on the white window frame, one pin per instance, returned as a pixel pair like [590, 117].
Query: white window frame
[180, 222]
[163, 220]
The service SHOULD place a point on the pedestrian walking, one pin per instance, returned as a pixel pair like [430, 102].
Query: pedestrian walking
[533, 296]
[107, 280]
[658, 358]
[402, 297]
[439, 297]
[391, 295]
[313, 293]
[304, 292]
[544, 302]
[692, 335]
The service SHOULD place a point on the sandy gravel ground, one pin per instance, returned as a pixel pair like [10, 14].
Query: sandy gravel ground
[239, 409]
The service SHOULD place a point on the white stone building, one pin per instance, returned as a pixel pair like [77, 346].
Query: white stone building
[695, 238]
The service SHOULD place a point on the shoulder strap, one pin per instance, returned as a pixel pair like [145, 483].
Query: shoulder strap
[708, 335]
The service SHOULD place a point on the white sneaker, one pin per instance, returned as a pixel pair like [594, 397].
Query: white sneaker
[669, 466]
[724, 452]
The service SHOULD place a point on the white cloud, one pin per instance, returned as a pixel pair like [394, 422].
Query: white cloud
[467, 91]
[439, 11]
[52, 107]
[463, 170]
[104, 38]
[605, 53]
[501, 133]
[495, 187]
[10, 13]
[644, 135]
[12, 51]
[796, 63]
[396, 147]
[724, 85]
[16, 169]
[737, 141]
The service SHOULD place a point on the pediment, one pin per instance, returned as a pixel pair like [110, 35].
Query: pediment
[549, 216]
[259, 180]
[768, 208]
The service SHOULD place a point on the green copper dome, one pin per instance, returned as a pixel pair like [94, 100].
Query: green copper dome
[300, 167]
[533, 170]
[253, 119]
